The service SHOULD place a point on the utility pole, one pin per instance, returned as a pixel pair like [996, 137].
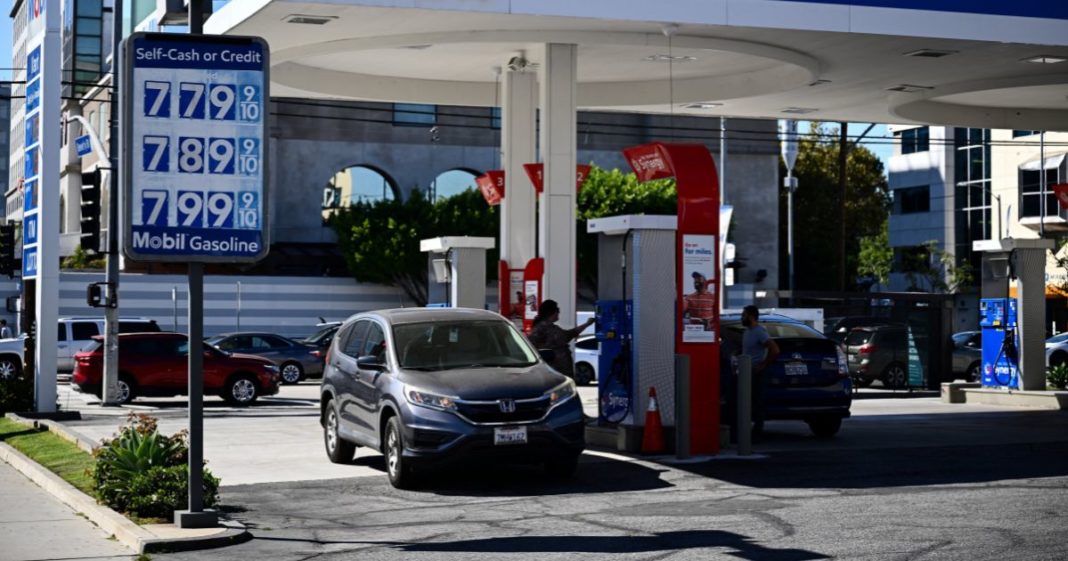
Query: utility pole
[789, 156]
[111, 276]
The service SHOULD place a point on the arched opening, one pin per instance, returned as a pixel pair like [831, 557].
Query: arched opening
[452, 182]
[356, 184]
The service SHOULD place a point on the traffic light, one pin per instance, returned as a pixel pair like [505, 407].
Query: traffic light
[91, 211]
[7, 250]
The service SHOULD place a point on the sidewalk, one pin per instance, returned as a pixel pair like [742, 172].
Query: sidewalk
[34, 526]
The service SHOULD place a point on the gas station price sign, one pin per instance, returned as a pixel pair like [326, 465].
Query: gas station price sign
[195, 144]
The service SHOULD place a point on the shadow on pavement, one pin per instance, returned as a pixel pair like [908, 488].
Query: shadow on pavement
[743, 547]
[894, 394]
[594, 475]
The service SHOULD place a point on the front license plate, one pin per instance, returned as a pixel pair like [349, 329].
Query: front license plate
[509, 435]
[796, 369]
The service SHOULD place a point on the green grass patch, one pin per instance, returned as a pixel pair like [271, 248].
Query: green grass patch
[60, 456]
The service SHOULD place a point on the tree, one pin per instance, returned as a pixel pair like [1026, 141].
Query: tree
[80, 260]
[613, 193]
[380, 240]
[815, 203]
[876, 257]
[938, 269]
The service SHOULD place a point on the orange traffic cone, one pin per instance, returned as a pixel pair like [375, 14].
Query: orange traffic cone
[653, 435]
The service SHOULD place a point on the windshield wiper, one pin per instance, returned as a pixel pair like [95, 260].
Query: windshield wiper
[491, 365]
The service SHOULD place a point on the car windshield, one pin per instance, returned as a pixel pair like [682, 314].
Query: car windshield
[214, 341]
[320, 335]
[445, 345]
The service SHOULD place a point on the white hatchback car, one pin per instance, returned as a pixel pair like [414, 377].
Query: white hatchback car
[587, 355]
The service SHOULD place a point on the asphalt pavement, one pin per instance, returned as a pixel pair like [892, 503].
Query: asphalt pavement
[907, 478]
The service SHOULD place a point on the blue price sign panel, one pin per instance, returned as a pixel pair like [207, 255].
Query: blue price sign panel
[195, 125]
[32, 170]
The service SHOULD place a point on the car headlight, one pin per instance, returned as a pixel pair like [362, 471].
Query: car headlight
[431, 400]
[562, 393]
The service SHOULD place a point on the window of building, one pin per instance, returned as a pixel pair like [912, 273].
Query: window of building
[914, 140]
[1019, 133]
[912, 200]
[1031, 193]
[495, 117]
[911, 259]
[414, 114]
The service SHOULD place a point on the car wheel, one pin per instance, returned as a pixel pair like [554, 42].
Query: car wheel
[583, 374]
[292, 373]
[9, 368]
[400, 474]
[562, 467]
[1058, 358]
[895, 376]
[241, 390]
[339, 450]
[127, 390]
[973, 372]
[825, 427]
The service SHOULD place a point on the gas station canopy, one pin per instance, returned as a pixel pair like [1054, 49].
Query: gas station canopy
[998, 65]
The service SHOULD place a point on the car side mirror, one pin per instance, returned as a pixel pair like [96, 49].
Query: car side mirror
[370, 362]
[547, 354]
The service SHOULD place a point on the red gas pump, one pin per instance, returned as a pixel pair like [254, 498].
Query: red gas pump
[696, 272]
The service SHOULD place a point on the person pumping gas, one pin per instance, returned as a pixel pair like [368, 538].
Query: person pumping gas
[547, 335]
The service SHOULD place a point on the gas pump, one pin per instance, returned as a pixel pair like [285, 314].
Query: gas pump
[1001, 360]
[614, 331]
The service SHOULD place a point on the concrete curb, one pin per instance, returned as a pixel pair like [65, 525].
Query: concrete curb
[125, 531]
[1050, 400]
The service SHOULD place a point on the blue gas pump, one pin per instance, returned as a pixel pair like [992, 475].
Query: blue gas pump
[614, 330]
[1001, 361]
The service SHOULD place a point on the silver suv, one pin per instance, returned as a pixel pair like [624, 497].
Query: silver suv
[11, 362]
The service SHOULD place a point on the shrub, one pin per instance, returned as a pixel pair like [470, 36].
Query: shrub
[143, 472]
[1058, 376]
[16, 394]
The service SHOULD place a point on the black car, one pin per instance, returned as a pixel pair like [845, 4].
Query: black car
[428, 387]
[809, 381]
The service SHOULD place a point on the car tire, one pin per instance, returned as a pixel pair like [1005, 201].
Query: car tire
[241, 390]
[562, 467]
[127, 389]
[10, 368]
[339, 450]
[291, 373]
[972, 374]
[1058, 358]
[825, 427]
[583, 374]
[399, 472]
[895, 376]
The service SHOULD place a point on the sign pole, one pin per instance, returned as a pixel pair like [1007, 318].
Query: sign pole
[111, 311]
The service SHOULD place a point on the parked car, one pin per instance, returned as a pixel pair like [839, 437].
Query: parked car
[809, 380]
[76, 334]
[968, 354]
[11, 357]
[295, 360]
[156, 364]
[1057, 350]
[879, 353]
[838, 328]
[322, 337]
[587, 355]
[428, 387]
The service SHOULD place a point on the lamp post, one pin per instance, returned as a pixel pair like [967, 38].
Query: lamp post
[789, 155]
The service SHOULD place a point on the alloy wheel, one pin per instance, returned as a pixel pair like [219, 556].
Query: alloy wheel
[290, 373]
[331, 431]
[392, 452]
[243, 390]
[124, 391]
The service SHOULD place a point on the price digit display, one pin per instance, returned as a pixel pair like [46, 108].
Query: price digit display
[250, 103]
[223, 101]
[221, 152]
[191, 100]
[155, 154]
[157, 102]
[248, 162]
[190, 154]
[154, 208]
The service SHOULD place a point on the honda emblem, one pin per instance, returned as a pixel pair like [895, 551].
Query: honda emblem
[506, 405]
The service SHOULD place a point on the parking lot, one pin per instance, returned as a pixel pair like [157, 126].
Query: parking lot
[907, 478]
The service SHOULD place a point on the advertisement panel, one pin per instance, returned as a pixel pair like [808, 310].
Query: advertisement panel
[195, 128]
[698, 287]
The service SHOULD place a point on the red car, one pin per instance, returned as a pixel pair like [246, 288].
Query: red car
[156, 364]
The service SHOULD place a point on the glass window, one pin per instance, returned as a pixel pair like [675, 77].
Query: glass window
[353, 344]
[461, 344]
[912, 199]
[1019, 133]
[914, 140]
[414, 114]
[61, 335]
[277, 342]
[587, 344]
[83, 330]
[858, 337]
[375, 345]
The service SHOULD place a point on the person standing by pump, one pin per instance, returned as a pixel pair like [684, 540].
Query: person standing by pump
[547, 335]
[762, 351]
